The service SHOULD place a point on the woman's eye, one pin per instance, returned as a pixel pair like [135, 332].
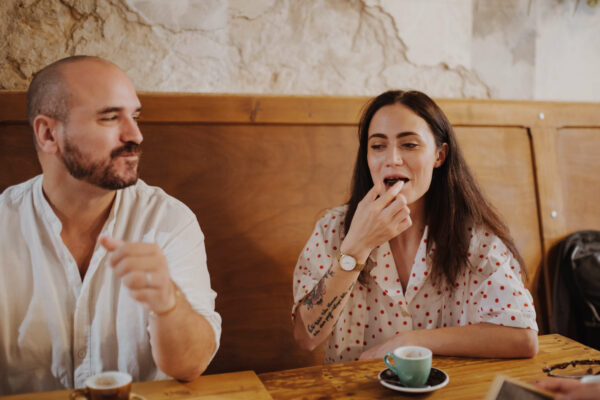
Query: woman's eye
[377, 146]
[410, 145]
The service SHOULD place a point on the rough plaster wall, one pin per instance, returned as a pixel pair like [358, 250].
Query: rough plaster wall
[573, 72]
[503, 47]
[448, 48]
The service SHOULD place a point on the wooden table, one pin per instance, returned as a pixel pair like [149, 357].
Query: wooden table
[234, 385]
[469, 378]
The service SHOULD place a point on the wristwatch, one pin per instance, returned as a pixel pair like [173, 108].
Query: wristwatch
[348, 263]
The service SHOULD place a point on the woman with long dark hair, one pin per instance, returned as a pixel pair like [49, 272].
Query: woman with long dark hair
[417, 256]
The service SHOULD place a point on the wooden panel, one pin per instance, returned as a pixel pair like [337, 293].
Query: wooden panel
[18, 160]
[13, 107]
[579, 166]
[501, 160]
[215, 108]
[257, 191]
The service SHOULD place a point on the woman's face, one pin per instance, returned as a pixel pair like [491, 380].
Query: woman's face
[401, 146]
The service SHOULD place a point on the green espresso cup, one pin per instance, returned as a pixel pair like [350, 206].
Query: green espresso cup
[411, 364]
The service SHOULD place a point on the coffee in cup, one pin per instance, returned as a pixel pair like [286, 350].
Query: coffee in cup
[109, 385]
[411, 364]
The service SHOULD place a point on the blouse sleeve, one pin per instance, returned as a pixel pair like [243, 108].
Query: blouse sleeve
[318, 254]
[499, 295]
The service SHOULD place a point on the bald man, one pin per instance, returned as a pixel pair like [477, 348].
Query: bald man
[98, 271]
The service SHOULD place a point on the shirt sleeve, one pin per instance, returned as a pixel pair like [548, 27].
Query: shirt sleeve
[186, 256]
[498, 293]
[317, 255]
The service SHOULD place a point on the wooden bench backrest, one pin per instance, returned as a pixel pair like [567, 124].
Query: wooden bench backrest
[259, 171]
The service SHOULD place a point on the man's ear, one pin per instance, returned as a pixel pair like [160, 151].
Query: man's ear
[441, 154]
[45, 130]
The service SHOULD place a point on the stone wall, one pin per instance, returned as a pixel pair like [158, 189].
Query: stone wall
[509, 49]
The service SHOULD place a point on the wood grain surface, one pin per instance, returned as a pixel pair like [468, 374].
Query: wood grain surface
[235, 386]
[469, 378]
[579, 166]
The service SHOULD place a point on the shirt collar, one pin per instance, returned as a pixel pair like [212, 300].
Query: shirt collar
[46, 211]
[49, 216]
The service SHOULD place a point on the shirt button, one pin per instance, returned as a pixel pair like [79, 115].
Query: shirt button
[81, 353]
[405, 314]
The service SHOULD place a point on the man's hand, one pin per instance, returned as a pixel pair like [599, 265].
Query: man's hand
[143, 269]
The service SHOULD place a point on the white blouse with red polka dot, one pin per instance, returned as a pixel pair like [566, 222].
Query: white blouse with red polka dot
[491, 290]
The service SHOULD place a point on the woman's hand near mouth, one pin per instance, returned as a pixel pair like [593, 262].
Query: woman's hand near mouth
[390, 181]
[379, 217]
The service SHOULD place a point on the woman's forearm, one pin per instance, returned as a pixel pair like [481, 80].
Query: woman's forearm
[479, 340]
[320, 309]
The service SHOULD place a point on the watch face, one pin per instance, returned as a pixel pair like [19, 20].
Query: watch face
[347, 263]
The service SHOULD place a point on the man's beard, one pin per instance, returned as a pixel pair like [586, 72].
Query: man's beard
[101, 173]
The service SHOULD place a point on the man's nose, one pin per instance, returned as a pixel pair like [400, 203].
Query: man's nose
[131, 131]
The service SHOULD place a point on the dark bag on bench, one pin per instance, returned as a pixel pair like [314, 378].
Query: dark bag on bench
[576, 291]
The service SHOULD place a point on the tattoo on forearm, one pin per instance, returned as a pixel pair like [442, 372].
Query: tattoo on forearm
[326, 313]
[315, 297]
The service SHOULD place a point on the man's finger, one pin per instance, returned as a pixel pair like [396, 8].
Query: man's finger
[137, 280]
[144, 296]
[111, 244]
[127, 265]
[131, 250]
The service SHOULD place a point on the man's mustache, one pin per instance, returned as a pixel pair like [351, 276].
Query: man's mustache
[129, 147]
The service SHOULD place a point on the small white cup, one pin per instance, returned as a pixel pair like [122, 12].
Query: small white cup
[109, 385]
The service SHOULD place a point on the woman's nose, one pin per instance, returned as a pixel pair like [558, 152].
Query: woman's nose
[395, 156]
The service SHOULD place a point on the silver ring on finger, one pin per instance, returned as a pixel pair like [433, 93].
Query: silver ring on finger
[148, 279]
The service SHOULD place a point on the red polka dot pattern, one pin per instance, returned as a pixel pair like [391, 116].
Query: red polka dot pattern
[486, 292]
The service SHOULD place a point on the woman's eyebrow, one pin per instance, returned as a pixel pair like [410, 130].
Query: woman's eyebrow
[398, 135]
[407, 133]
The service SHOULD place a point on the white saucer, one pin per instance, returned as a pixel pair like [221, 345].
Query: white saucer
[437, 380]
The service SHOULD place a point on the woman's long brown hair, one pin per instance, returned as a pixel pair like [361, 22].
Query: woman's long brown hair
[453, 202]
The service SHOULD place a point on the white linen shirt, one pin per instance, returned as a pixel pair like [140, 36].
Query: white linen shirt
[55, 330]
[491, 290]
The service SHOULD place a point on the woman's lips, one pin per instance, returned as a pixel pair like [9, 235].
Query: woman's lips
[389, 182]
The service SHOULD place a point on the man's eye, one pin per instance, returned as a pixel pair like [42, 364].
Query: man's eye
[108, 118]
